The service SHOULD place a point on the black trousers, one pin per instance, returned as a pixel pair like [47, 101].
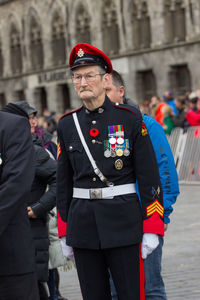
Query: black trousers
[19, 287]
[125, 264]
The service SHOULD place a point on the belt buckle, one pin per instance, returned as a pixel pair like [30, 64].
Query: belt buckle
[95, 193]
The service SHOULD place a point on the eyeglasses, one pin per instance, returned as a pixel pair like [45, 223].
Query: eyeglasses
[88, 77]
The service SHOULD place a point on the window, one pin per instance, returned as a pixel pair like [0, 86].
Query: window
[82, 26]
[135, 21]
[145, 27]
[15, 50]
[58, 40]
[175, 27]
[18, 95]
[36, 48]
[40, 102]
[110, 30]
[146, 85]
[180, 79]
[179, 21]
[64, 98]
[168, 22]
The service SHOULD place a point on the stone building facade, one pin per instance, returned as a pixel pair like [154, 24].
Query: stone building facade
[154, 44]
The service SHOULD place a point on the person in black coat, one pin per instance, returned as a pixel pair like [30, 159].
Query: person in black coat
[17, 167]
[41, 199]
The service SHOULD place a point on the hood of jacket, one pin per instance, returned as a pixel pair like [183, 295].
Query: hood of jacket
[15, 109]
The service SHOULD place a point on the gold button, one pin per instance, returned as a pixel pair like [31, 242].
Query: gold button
[100, 110]
[93, 141]
[94, 122]
[94, 179]
[70, 148]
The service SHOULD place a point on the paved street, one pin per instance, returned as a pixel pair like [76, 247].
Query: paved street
[181, 260]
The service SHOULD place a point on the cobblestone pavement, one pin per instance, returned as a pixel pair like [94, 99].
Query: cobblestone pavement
[181, 254]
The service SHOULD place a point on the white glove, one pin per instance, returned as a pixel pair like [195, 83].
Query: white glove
[150, 242]
[67, 250]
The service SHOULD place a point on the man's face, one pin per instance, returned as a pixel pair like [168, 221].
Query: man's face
[115, 94]
[88, 82]
[33, 122]
[154, 101]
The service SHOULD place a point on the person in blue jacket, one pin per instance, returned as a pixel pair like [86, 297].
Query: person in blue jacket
[154, 285]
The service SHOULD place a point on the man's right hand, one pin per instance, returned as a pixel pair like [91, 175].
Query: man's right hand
[67, 250]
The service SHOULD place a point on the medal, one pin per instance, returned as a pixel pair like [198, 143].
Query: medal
[126, 152]
[107, 153]
[112, 140]
[113, 153]
[119, 152]
[120, 141]
[118, 164]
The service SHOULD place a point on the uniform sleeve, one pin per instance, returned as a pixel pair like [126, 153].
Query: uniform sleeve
[64, 179]
[46, 171]
[147, 175]
[18, 167]
[167, 168]
[62, 226]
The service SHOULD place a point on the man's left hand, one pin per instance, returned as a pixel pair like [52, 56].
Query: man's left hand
[31, 214]
[150, 242]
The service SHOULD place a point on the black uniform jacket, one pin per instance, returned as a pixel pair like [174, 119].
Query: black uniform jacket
[17, 161]
[116, 222]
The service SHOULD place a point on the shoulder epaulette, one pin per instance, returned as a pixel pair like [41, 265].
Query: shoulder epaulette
[70, 112]
[127, 107]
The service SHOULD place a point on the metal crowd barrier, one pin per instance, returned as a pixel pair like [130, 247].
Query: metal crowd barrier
[186, 150]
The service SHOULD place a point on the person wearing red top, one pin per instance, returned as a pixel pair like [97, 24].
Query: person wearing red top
[193, 115]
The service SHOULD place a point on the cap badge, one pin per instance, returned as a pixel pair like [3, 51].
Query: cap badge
[80, 53]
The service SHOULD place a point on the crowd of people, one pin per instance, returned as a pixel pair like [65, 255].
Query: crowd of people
[174, 111]
[168, 110]
[109, 221]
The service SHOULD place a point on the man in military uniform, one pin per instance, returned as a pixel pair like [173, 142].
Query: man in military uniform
[102, 149]
[17, 167]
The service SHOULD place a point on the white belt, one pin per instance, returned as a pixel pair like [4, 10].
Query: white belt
[104, 193]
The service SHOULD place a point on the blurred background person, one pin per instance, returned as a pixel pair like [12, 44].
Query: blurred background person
[179, 119]
[169, 99]
[193, 114]
[168, 123]
[156, 106]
